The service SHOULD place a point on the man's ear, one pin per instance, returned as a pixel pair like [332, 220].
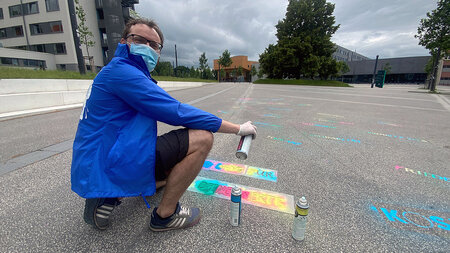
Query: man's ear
[123, 41]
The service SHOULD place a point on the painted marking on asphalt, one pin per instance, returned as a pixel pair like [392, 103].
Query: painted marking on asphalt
[208, 96]
[397, 137]
[241, 169]
[317, 125]
[283, 140]
[252, 196]
[330, 115]
[335, 138]
[436, 178]
[265, 124]
[419, 220]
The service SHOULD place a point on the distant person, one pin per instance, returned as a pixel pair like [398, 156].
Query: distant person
[117, 153]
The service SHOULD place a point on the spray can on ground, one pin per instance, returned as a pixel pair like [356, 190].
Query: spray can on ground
[244, 147]
[301, 216]
[235, 207]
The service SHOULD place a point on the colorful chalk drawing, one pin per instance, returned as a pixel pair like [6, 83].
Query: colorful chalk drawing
[335, 138]
[283, 140]
[265, 124]
[224, 112]
[279, 109]
[241, 169]
[271, 115]
[423, 174]
[414, 219]
[330, 115]
[317, 125]
[389, 124]
[333, 121]
[398, 137]
[253, 196]
[304, 104]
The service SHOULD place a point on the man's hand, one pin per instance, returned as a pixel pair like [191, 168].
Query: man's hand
[246, 129]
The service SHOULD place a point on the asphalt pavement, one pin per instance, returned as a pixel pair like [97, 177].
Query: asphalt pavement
[374, 165]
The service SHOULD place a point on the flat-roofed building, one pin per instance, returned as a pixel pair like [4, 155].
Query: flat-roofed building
[49, 27]
[237, 61]
[399, 70]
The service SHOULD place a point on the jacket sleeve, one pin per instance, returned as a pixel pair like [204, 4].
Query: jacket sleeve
[148, 98]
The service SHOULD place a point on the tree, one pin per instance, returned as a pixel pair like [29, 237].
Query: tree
[203, 62]
[342, 69]
[224, 61]
[163, 69]
[304, 42]
[387, 67]
[86, 36]
[253, 72]
[240, 71]
[434, 34]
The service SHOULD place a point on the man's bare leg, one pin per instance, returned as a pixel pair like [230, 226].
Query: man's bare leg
[184, 172]
[160, 184]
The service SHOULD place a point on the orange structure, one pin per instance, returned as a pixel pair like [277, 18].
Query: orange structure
[237, 61]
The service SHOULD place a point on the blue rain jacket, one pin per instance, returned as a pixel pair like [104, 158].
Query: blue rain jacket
[114, 147]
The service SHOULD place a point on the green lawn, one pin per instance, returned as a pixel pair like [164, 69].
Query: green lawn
[179, 79]
[303, 82]
[23, 73]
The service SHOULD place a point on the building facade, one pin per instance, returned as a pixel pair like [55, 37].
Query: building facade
[398, 70]
[343, 54]
[230, 71]
[445, 72]
[48, 27]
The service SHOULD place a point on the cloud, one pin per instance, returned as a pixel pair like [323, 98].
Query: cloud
[380, 27]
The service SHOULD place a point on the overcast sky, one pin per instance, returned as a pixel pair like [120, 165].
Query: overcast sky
[247, 27]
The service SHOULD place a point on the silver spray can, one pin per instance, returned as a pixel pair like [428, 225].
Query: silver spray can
[235, 207]
[244, 147]
[301, 216]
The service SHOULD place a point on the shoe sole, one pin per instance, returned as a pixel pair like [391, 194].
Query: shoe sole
[89, 216]
[195, 222]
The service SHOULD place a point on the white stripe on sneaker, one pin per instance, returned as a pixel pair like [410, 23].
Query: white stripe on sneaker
[110, 208]
[103, 211]
[102, 216]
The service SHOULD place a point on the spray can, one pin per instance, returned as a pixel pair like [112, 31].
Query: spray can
[235, 208]
[301, 216]
[244, 147]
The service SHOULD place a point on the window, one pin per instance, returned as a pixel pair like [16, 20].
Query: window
[60, 48]
[51, 5]
[28, 8]
[35, 29]
[3, 33]
[11, 32]
[15, 11]
[1, 13]
[19, 31]
[46, 28]
[56, 26]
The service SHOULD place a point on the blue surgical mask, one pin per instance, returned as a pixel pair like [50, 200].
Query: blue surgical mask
[149, 55]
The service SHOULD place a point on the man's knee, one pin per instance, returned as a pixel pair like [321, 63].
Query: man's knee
[201, 138]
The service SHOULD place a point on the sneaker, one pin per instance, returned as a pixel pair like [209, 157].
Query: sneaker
[182, 218]
[97, 211]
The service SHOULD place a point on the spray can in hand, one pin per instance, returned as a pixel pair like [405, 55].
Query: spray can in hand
[301, 216]
[235, 208]
[244, 147]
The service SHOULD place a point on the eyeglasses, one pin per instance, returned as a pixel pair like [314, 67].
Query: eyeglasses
[141, 40]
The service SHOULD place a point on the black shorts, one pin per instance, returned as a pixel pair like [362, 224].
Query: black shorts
[171, 148]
